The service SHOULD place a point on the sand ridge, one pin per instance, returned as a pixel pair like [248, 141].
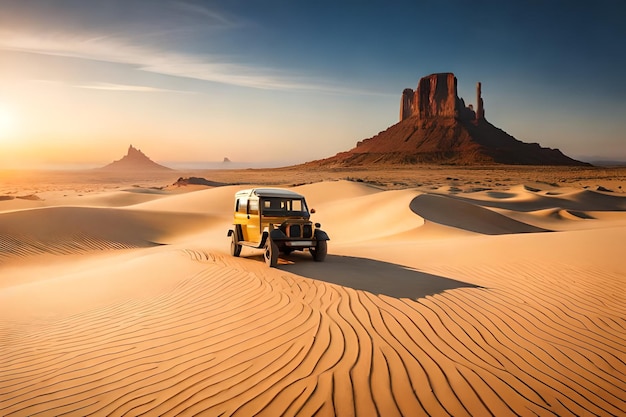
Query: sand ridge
[492, 302]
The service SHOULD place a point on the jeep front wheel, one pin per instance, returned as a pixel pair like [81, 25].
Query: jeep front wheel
[319, 252]
[271, 253]
[235, 247]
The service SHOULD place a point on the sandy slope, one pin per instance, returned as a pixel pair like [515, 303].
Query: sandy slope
[488, 302]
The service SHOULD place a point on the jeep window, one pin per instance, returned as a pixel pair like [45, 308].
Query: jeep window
[276, 206]
[295, 205]
[241, 205]
[253, 206]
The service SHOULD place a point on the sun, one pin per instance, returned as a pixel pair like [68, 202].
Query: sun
[7, 121]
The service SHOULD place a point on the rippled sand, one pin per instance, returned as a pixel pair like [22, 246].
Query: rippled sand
[445, 298]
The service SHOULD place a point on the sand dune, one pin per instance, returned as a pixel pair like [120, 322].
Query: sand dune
[526, 199]
[65, 230]
[370, 216]
[440, 303]
[333, 191]
[123, 198]
[471, 217]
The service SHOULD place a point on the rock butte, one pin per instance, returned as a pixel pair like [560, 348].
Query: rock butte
[437, 127]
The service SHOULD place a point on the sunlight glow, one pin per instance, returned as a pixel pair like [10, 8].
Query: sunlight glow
[7, 121]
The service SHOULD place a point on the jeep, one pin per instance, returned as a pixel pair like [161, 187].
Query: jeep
[275, 220]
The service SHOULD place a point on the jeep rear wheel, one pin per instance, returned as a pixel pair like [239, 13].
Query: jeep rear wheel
[271, 253]
[235, 247]
[319, 252]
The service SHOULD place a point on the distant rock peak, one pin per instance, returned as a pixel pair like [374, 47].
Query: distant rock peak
[134, 160]
[132, 150]
[135, 153]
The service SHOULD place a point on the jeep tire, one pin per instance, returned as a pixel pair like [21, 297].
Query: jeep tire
[270, 253]
[319, 251]
[235, 247]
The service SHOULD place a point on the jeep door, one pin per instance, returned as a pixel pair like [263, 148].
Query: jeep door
[252, 231]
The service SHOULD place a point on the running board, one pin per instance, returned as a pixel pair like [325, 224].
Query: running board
[249, 244]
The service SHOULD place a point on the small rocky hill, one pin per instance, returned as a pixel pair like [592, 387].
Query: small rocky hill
[437, 127]
[134, 160]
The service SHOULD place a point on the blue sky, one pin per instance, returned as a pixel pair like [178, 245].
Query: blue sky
[281, 82]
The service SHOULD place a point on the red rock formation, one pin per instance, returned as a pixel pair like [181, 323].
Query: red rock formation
[436, 96]
[407, 102]
[436, 127]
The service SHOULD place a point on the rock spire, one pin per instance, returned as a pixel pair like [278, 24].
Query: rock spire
[480, 111]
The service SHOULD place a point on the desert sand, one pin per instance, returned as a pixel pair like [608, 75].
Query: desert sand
[446, 291]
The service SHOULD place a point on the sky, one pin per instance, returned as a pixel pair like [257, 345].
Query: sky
[280, 82]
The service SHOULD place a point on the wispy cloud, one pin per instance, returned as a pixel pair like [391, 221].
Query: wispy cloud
[145, 58]
[178, 38]
[206, 67]
[131, 88]
[214, 17]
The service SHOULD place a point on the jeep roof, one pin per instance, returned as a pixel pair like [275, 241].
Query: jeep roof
[269, 192]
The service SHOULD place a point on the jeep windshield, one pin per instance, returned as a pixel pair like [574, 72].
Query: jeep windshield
[281, 207]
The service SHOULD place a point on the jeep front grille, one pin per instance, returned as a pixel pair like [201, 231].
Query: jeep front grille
[294, 230]
[300, 231]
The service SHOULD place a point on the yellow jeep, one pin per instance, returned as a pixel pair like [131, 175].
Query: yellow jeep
[276, 220]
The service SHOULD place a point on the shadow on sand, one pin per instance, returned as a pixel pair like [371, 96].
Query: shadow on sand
[369, 275]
